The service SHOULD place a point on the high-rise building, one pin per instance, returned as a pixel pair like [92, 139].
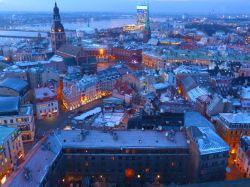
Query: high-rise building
[142, 11]
[58, 36]
[147, 29]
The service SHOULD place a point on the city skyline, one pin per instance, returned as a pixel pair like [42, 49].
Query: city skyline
[157, 6]
[112, 94]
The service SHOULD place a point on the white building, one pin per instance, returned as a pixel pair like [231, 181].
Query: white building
[80, 92]
[46, 103]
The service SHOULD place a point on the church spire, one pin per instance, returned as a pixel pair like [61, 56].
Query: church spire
[58, 37]
[56, 13]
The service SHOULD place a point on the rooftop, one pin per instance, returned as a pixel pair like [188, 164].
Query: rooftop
[41, 93]
[208, 141]
[236, 118]
[196, 93]
[9, 105]
[245, 93]
[56, 58]
[24, 64]
[199, 121]
[47, 151]
[14, 84]
[38, 164]
[5, 132]
[126, 139]
[70, 50]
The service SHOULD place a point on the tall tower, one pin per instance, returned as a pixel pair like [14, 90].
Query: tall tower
[142, 11]
[58, 36]
[147, 29]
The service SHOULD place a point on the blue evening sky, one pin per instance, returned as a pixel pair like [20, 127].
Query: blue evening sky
[162, 6]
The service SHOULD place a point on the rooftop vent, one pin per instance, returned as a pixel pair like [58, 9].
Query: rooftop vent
[170, 136]
[27, 174]
[114, 136]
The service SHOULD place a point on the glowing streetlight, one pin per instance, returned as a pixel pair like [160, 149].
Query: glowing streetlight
[101, 52]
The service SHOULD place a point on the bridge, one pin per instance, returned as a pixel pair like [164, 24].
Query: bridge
[22, 34]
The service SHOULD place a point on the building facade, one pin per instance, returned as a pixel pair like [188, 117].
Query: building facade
[209, 154]
[80, 92]
[16, 88]
[46, 103]
[15, 115]
[107, 80]
[152, 61]
[231, 127]
[130, 158]
[243, 156]
[126, 54]
[142, 11]
[11, 151]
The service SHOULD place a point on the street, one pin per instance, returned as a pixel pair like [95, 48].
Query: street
[64, 119]
[234, 173]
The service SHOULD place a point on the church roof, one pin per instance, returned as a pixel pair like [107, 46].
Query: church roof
[70, 50]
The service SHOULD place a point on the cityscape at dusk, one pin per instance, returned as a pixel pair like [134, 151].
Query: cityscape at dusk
[125, 93]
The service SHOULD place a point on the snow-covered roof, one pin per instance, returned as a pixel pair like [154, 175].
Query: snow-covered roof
[207, 141]
[109, 119]
[196, 93]
[15, 84]
[56, 58]
[86, 82]
[41, 93]
[46, 152]
[199, 121]
[161, 86]
[125, 139]
[245, 92]
[89, 113]
[243, 118]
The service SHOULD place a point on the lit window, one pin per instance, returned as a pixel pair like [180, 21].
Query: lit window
[19, 120]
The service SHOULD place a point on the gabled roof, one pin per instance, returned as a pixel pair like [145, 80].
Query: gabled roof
[188, 83]
[70, 50]
[70, 61]
[207, 141]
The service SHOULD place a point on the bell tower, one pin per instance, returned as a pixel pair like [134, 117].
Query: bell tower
[58, 36]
